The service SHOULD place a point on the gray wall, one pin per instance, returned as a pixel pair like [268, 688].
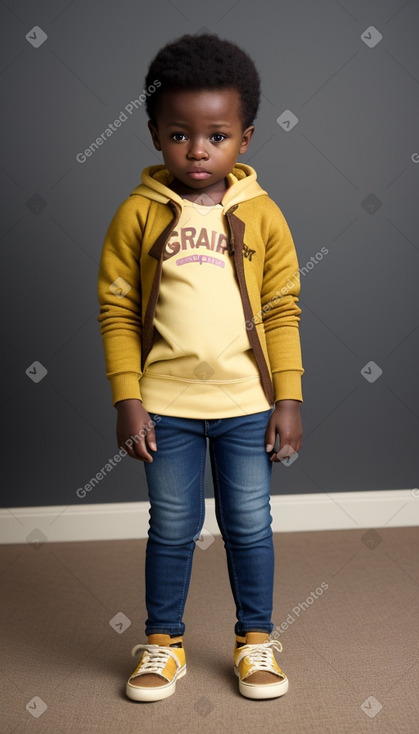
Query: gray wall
[346, 178]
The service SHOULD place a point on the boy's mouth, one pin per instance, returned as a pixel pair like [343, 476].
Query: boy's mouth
[198, 173]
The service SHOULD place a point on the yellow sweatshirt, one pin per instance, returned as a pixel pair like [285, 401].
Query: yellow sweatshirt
[198, 305]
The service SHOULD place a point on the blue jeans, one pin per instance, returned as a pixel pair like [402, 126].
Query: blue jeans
[241, 473]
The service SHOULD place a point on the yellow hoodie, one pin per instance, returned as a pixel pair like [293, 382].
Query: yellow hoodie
[237, 352]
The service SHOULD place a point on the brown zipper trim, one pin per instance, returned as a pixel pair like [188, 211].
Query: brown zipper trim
[237, 228]
[156, 251]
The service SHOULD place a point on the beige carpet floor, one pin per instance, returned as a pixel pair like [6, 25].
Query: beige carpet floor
[346, 612]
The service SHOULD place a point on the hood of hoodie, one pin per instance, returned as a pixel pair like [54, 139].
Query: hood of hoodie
[242, 186]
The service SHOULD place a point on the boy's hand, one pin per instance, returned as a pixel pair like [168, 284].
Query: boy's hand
[135, 430]
[286, 422]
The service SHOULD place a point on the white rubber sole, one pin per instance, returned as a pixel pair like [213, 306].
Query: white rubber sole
[258, 693]
[154, 693]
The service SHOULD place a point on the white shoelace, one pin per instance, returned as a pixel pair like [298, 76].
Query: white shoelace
[155, 658]
[261, 656]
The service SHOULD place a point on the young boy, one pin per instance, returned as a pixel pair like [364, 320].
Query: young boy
[198, 291]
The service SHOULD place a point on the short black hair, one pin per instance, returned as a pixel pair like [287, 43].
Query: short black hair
[205, 61]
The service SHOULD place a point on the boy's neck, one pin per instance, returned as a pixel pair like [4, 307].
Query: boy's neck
[208, 196]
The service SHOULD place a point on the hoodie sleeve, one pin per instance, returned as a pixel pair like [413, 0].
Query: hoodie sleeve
[280, 312]
[120, 303]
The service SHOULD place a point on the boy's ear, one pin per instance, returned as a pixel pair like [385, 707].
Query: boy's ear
[246, 138]
[154, 135]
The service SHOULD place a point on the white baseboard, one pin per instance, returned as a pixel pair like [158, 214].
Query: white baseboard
[291, 513]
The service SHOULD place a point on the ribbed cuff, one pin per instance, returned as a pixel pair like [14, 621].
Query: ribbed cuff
[125, 386]
[287, 385]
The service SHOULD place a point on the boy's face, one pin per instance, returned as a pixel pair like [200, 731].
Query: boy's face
[200, 135]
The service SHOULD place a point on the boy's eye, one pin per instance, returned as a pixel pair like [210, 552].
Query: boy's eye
[180, 137]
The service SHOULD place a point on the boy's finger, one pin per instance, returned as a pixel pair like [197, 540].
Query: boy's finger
[271, 441]
[140, 451]
[130, 447]
[151, 439]
[136, 449]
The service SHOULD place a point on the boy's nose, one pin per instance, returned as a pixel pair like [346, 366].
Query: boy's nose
[197, 150]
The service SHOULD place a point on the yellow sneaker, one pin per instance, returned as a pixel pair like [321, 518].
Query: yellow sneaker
[254, 663]
[161, 664]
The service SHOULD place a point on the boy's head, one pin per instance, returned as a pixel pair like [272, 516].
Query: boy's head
[202, 111]
[204, 62]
